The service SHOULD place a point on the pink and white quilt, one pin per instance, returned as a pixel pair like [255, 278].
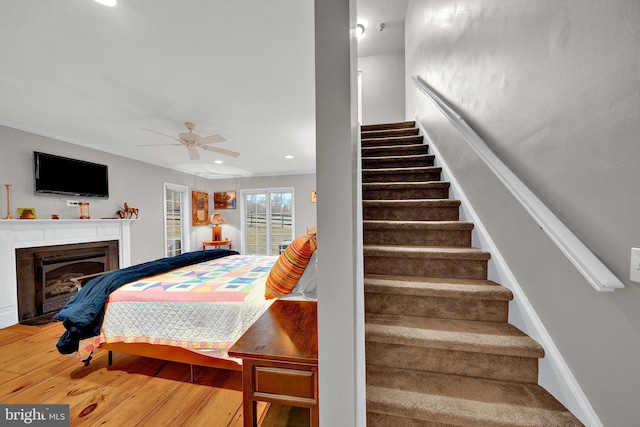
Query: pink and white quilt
[205, 307]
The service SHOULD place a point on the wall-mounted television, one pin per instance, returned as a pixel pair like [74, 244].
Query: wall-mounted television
[70, 177]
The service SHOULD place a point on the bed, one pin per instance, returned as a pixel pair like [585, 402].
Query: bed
[192, 313]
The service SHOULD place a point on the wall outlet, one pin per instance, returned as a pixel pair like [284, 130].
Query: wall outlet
[635, 265]
[72, 203]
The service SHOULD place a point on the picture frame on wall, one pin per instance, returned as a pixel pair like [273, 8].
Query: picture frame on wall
[224, 200]
[199, 208]
[26, 213]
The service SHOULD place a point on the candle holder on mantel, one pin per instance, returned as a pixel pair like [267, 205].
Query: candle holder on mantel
[8, 201]
[84, 210]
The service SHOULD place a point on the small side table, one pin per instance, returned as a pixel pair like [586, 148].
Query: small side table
[216, 244]
[279, 355]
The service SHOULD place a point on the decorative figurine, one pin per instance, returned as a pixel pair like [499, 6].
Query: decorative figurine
[128, 212]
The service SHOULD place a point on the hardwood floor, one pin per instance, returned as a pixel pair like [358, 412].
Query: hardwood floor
[134, 391]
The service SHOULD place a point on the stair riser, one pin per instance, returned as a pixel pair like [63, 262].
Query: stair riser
[472, 364]
[381, 142]
[426, 267]
[386, 126]
[411, 213]
[389, 133]
[406, 194]
[437, 307]
[400, 150]
[393, 162]
[399, 176]
[410, 237]
[375, 419]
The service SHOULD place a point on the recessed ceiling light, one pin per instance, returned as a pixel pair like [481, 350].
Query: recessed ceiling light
[217, 162]
[288, 156]
[110, 3]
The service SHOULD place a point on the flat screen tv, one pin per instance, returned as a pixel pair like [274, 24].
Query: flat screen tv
[70, 177]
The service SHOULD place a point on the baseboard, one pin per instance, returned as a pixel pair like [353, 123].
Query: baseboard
[8, 317]
[554, 373]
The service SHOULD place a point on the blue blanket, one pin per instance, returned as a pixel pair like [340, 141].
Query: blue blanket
[82, 315]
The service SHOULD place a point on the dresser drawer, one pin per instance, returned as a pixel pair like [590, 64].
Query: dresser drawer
[295, 384]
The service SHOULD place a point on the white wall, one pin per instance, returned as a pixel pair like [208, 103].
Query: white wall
[553, 87]
[304, 210]
[137, 183]
[383, 84]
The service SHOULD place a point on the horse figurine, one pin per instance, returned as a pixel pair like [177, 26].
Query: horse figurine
[130, 212]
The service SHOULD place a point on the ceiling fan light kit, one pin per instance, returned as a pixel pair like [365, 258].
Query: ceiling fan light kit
[194, 141]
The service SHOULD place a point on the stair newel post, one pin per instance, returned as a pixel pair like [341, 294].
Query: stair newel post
[8, 202]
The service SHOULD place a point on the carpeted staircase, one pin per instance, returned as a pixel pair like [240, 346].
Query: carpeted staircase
[439, 350]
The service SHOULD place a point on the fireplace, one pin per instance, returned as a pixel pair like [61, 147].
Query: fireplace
[44, 274]
[56, 274]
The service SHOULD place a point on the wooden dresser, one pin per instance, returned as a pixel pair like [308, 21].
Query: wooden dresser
[279, 355]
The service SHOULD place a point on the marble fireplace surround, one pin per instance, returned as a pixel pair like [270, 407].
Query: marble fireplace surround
[22, 233]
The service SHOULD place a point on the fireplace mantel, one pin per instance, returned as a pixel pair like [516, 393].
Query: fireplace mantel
[26, 233]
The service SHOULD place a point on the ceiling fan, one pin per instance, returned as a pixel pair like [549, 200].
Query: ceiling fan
[194, 141]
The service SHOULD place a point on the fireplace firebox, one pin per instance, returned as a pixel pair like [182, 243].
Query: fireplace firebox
[56, 274]
[44, 274]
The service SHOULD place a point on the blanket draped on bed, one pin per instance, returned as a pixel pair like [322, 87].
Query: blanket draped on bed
[83, 314]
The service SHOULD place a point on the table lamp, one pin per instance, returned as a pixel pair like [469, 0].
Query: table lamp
[216, 220]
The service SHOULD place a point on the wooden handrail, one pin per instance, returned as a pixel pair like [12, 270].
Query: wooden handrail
[596, 273]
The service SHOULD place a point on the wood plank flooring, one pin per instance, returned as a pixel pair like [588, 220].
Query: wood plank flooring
[134, 391]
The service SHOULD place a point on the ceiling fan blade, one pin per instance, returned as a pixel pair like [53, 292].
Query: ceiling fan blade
[162, 134]
[158, 145]
[220, 151]
[211, 139]
[193, 153]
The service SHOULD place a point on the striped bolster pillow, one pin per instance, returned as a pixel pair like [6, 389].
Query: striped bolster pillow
[289, 266]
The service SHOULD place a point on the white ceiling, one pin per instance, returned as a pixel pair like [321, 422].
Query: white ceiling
[372, 13]
[97, 76]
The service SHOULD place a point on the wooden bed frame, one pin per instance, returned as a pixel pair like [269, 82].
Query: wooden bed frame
[170, 354]
[160, 351]
[165, 352]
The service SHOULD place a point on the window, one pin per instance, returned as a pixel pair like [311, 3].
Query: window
[267, 220]
[176, 233]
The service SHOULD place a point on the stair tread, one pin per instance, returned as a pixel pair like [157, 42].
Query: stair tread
[417, 225]
[391, 147]
[413, 202]
[398, 138]
[463, 401]
[401, 157]
[389, 132]
[462, 335]
[405, 184]
[406, 169]
[441, 287]
[440, 252]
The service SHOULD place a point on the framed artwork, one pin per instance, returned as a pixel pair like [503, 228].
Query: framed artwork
[26, 213]
[199, 208]
[224, 200]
